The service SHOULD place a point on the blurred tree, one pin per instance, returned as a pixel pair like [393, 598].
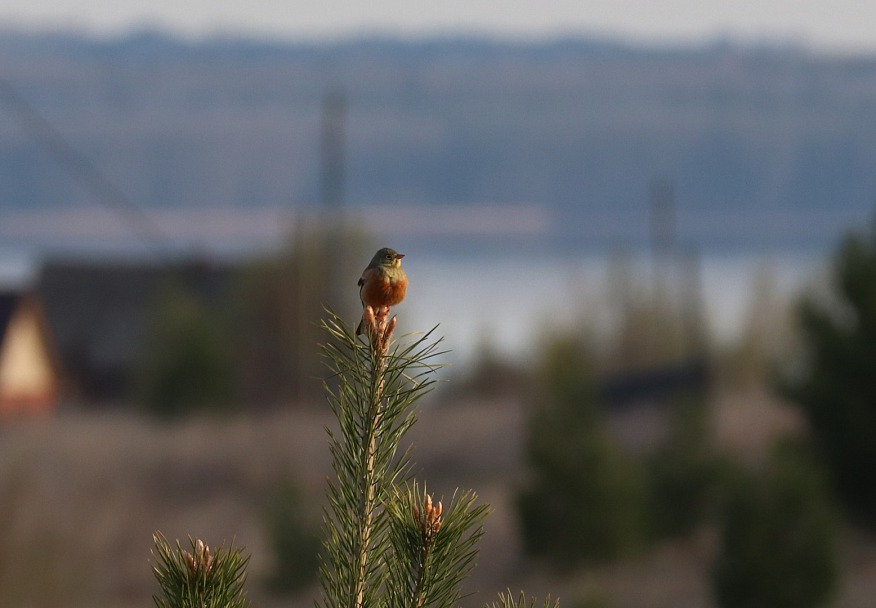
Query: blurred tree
[835, 386]
[493, 375]
[278, 303]
[778, 538]
[650, 327]
[294, 537]
[584, 498]
[766, 335]
[684, 473]
[188, 361]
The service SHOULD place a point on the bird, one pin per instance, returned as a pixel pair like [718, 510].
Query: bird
[383, 282]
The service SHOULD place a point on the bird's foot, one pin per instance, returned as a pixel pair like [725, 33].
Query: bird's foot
[379, 327]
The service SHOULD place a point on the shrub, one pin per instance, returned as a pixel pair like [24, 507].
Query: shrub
[684, 473]
[294, 537]
[778, 538]
[387, 542]
[188, 362]
[584, 498]
[836, 384]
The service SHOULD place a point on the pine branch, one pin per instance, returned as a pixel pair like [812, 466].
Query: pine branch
[507, 600]
[375, 385]
[433, 549]
[200, 578]
[387, 544]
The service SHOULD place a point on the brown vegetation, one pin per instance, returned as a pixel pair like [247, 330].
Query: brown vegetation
[82, 494]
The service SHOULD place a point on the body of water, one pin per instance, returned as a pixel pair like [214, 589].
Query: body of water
[508, 301]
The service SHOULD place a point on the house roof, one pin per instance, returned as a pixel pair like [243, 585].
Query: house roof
[100, 311]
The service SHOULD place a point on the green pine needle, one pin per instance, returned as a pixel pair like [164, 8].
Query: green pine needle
[372, 394]
[428, 562]
[508, 600]
[200, 578]
[387, 543]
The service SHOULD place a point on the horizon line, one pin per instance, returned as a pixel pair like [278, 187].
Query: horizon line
[599, 39]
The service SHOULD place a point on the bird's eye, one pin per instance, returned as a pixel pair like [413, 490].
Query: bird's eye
[388, 256]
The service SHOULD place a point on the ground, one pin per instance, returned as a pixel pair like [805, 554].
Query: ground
[80, 496]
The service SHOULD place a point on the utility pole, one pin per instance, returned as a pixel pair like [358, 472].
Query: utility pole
[663, 221]
[332, 168]
[334, 126]
[677, 282]
[663, 235]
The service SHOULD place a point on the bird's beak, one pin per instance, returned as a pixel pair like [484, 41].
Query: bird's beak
[399, 256]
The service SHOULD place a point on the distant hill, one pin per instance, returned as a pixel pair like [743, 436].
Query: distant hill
[755, 140]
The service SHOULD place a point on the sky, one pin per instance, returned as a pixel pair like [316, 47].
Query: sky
[839, 26]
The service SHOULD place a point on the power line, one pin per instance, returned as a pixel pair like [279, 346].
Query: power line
[83, 168]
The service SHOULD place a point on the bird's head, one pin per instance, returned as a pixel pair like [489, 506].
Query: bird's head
[388, 258]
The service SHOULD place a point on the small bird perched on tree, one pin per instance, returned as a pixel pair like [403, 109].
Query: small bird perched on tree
[383, 283]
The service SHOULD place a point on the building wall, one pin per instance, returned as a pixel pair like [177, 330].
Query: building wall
[27, 377]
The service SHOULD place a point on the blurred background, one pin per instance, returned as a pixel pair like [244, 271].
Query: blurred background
[645, 230]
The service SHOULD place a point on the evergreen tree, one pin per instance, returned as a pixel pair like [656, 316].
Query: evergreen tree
[836, 385]
[388, 543]
[778, 538]
[583, 499]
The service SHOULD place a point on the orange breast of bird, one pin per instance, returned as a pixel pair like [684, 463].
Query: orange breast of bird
[381, 291]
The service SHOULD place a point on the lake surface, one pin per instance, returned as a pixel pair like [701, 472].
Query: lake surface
[508, 300]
